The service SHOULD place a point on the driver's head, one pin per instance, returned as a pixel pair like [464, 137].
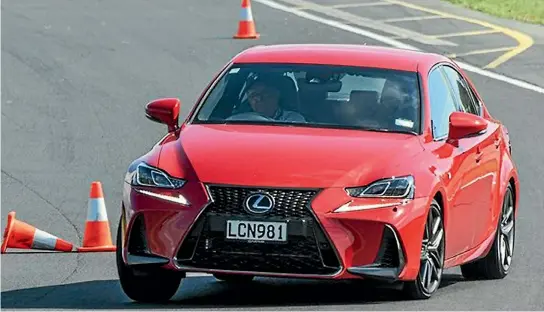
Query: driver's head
[263, 97]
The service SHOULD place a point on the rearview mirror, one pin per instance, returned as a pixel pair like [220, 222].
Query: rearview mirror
[165, 111]
[464, 125]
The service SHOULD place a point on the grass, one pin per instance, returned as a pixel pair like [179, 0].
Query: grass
[529, 11]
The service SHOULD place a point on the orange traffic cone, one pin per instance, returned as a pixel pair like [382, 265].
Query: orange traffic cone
[246, 25]
[22, 235]
[97, 236]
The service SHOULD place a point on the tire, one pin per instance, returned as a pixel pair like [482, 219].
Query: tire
[432, 254]
[494, 265]
[154, 286]
[233, 278]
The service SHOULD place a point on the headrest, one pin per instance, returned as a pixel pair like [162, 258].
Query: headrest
[285, 81]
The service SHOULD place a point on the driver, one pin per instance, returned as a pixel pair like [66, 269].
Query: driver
[264, 96]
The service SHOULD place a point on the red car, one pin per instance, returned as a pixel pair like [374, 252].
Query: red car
[322, 162]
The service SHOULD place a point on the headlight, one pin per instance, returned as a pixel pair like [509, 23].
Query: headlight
[146, 175]
[395, 187]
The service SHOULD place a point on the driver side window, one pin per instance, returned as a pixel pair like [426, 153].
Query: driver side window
[442, 103]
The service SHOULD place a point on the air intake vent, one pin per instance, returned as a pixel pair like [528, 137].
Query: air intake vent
[137, 242]
[388, 256]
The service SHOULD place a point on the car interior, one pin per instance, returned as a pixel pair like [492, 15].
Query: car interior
[321, 97]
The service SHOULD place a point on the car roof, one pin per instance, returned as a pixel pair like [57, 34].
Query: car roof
[340, 54]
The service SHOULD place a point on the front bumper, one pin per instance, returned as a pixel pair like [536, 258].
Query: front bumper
[381, 243]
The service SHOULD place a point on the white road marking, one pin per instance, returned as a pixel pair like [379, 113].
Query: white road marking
[397, 44]
[368, 23]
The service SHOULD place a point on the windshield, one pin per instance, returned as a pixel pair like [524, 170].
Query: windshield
[314, 96]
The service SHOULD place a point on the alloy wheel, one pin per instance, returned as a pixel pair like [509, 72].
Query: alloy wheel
[506, 236]
[432, 251]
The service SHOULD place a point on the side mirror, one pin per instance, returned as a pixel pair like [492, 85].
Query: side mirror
[464, 125]
[165, 111]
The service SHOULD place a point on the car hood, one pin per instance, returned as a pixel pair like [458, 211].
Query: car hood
[286, 156]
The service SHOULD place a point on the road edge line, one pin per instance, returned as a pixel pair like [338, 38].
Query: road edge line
[398, 44]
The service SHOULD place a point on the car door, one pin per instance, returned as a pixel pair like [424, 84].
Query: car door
[485, 176]
[458, 164]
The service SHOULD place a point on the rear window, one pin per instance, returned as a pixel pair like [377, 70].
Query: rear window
[316, 96]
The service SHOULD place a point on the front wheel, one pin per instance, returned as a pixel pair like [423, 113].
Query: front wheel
[432, 257]
[496, 265]
[157, 286]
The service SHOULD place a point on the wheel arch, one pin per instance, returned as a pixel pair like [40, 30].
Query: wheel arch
[439, 194]
[439, 197]
[121, 232]
[508, 176]
[515, 189]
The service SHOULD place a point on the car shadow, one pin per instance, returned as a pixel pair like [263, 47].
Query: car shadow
[206, 292]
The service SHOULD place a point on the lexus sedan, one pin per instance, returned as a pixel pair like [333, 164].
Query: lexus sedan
[322, 162]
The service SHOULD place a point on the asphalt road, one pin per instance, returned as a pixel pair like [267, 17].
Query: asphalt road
[76, 76]
[504, 46]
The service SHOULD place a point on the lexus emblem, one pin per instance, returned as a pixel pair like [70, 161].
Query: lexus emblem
[259, 203]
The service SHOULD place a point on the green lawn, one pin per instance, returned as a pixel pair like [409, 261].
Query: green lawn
[530, 11]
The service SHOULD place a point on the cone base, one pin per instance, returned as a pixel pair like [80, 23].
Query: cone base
[97, 235]
[63, 245]
[97, 249]
[254, 36]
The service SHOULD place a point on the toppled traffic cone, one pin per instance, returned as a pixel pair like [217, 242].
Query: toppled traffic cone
[246, 25]
[22, 235]
[97, 235]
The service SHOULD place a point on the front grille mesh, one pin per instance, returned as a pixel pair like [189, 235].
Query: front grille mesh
[310, 254]
[289, 203]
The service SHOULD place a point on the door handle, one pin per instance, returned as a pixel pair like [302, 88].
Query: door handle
[479, 154]
[497, 142]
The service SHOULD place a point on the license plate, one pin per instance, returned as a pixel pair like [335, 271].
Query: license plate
[256, 231]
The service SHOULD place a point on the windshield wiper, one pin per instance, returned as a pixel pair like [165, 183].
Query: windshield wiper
[386, 130]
